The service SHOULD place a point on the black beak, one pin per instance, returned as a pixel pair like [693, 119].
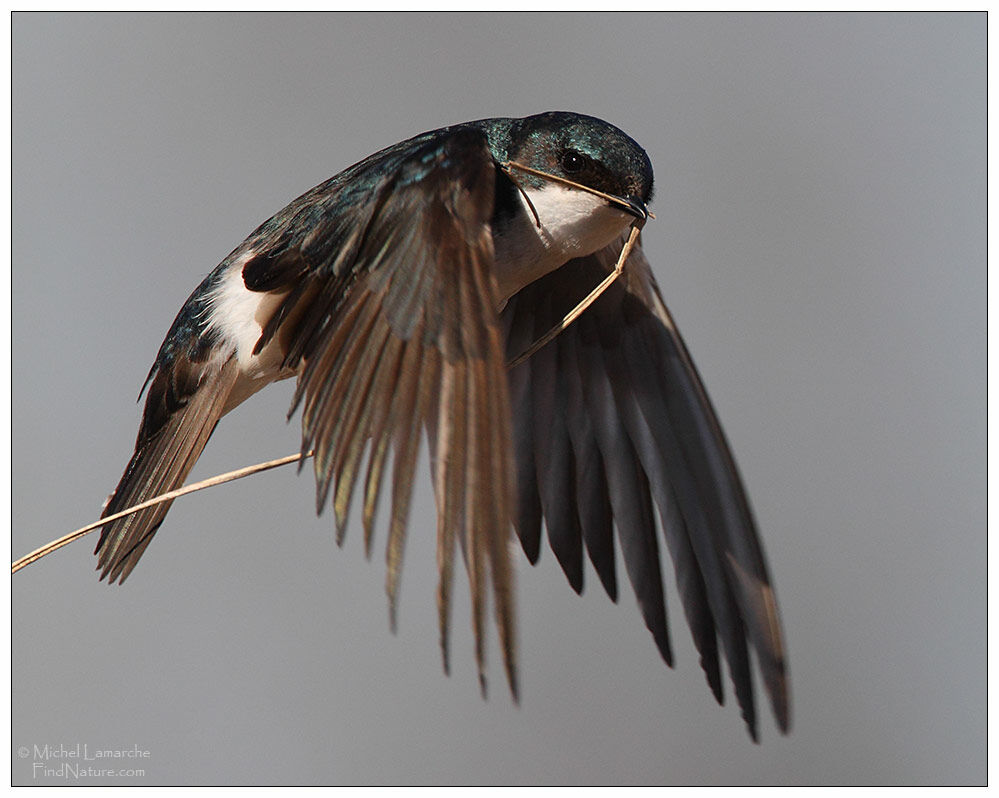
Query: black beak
[633, 206]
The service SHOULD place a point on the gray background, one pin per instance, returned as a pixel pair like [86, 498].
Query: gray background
[821, 241]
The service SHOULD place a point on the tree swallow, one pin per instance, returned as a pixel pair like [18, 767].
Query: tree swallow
[397, 293]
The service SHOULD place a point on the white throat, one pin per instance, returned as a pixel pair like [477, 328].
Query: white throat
[574, 223]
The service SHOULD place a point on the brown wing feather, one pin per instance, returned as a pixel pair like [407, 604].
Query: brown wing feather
[193, 396]
[406, 338]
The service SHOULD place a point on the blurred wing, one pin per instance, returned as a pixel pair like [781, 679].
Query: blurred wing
[389, 314]
[612, 416]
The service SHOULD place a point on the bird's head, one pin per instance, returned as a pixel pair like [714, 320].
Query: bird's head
[584, 150]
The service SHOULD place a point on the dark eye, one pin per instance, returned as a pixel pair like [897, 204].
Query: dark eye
[573, 161]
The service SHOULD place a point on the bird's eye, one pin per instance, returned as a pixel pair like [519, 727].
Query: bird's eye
[573, 161]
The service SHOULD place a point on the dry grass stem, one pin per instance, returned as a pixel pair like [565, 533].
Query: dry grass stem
[220, 479]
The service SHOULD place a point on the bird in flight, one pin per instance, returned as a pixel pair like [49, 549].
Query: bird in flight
[398, 293]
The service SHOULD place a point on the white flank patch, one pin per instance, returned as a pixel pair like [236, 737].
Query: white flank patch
[238, 314]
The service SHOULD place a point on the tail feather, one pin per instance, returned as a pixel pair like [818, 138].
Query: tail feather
[165, 453]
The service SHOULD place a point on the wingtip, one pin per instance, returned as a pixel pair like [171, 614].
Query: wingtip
[661, 637]
[530, 539]
[112, 573]
[712, 673]
[393, 624]
[781, 705]
[341, 527]
[369, 537]
[749, 716]
[511, 677]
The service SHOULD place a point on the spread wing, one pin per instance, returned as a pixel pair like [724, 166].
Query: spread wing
[390, 316]
[610, 419]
